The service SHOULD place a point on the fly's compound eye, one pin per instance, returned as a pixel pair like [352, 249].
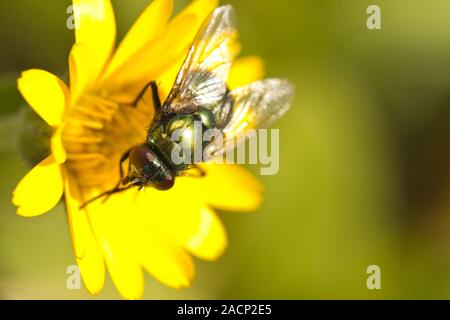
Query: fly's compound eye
[140, 158]
[146, 169]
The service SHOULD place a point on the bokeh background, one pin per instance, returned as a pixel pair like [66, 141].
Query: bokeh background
[365, 155]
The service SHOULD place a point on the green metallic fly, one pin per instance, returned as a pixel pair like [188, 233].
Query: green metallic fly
[200, 94]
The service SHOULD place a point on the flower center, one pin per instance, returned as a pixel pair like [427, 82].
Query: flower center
[98, 132]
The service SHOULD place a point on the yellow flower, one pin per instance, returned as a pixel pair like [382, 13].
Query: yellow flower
[155, 231]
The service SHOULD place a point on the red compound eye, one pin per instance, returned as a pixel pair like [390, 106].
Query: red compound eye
[140, 157]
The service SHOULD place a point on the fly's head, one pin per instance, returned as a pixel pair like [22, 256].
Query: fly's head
[147, 169]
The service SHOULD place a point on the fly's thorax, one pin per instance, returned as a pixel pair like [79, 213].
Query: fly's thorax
[181, 131]
[162, 143]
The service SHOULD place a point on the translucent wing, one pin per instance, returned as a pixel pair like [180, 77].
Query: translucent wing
[258, 105]
[253, 106]
[201, 80]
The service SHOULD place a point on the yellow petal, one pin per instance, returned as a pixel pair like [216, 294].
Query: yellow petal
[180, 220]
[117, 230]
[149, 25]
[80, 70]
[169, 264]
[162, 53]
[126, 275]
[228, 187]
[187, 221]
[246, 70]
[92, 268]
[95, 27]
[45, 93]
[40, 190]
[155, 58]
[87, 253]
[162, 255]
[201, 8]
[57, 146]
[210, 239]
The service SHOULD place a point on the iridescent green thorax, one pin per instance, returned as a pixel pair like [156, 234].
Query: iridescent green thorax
[180, 129]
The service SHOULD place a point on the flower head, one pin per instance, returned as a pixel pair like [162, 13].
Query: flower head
[155, 231]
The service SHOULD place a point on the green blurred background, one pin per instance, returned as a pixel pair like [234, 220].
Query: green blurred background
[364, 175]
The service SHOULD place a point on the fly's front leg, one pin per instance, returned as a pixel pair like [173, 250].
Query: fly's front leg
[117, 188]
[200, 171]
[123, 158]
[122, 179]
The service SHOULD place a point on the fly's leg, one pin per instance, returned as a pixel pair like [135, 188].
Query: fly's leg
[107, 194]
[155, 96]
[122, 176]
[117, 188]
[123, 158]
[199, 172]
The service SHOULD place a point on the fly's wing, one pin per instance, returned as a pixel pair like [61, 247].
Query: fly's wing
[201, 80]
[254, 106]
